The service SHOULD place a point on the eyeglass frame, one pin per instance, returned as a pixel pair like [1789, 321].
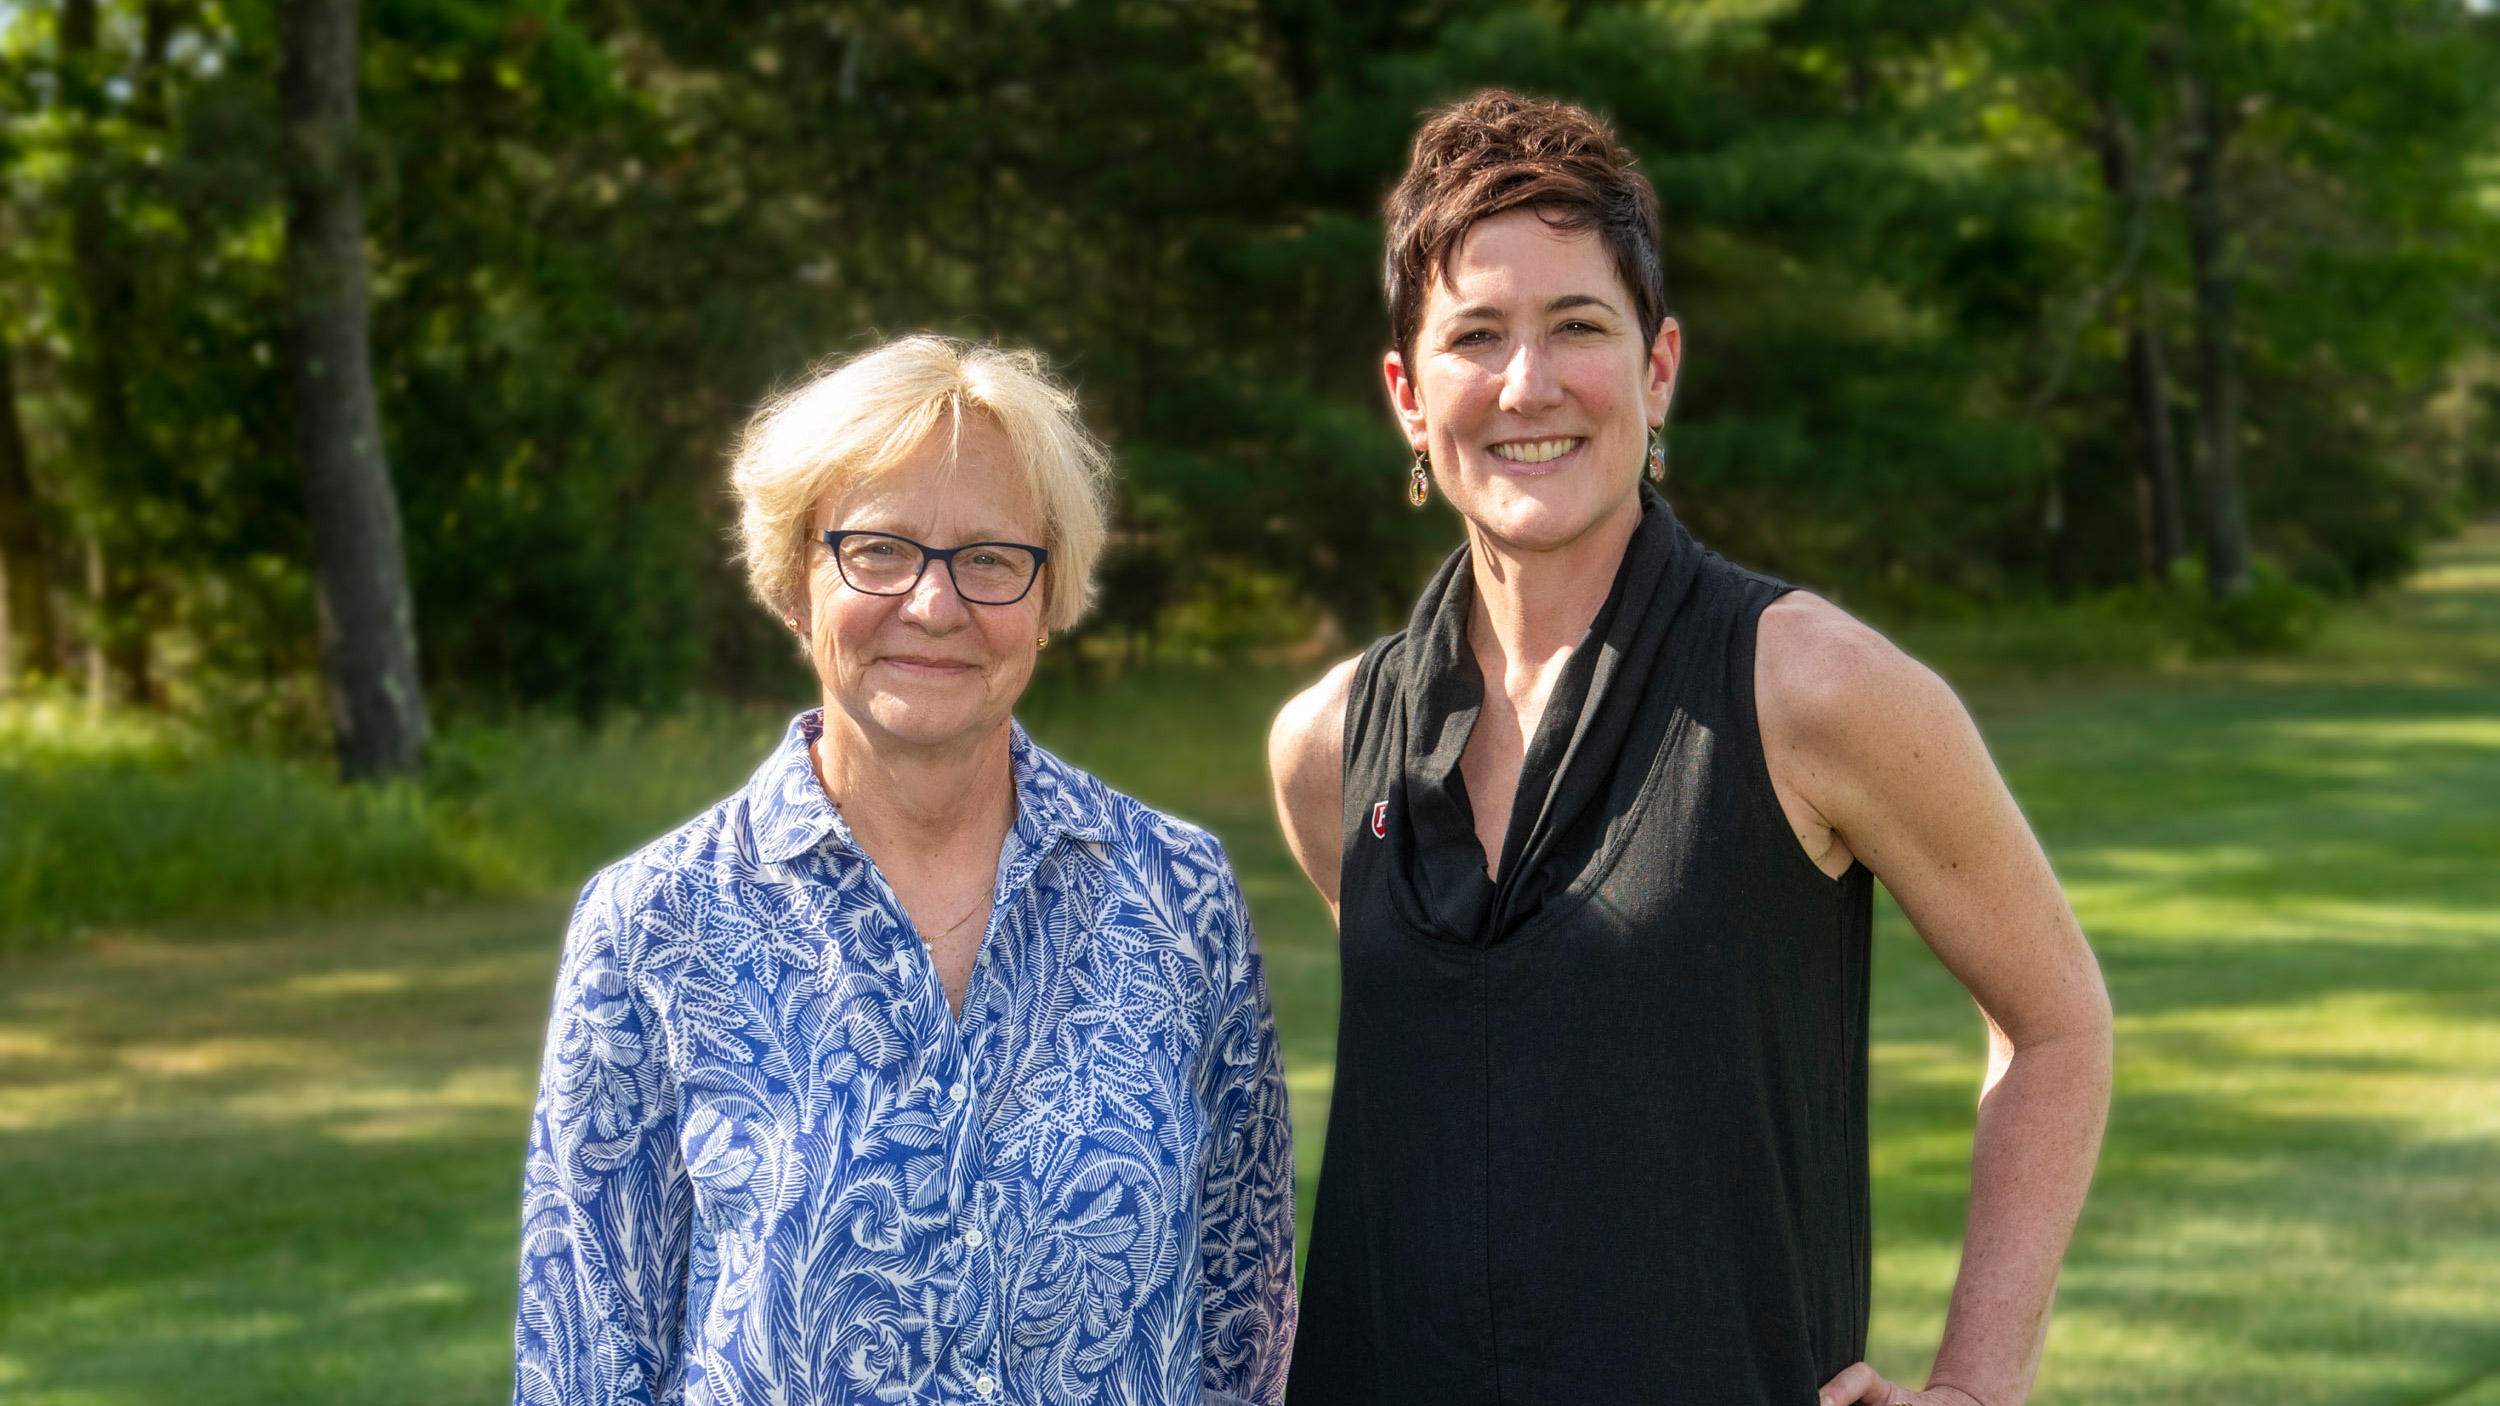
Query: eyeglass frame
[832, 538]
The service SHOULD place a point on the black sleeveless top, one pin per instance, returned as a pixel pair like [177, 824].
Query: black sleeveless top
[1599, 1128]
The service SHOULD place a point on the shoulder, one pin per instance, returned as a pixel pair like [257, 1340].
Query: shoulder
[1170, 887]
[659, 879]
[1135, 840]
[1856, 729]
[1821, 672]
[1308, 738]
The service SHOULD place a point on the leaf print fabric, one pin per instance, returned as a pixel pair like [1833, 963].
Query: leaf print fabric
[768, 1165]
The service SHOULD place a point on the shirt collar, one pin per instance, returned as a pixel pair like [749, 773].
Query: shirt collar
[789, 815]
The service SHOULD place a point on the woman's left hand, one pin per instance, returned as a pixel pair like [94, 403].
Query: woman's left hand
[1862, 1385]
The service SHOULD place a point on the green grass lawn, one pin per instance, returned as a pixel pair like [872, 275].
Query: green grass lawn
[279, 1161]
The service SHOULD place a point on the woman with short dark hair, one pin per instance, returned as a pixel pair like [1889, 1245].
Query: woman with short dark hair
[1601, 828]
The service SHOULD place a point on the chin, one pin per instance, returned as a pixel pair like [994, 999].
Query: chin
[920, 726]
[1540, 515]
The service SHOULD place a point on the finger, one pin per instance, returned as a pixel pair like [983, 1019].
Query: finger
[1859, 1384]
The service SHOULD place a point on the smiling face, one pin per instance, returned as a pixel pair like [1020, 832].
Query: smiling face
[927, 669]
[1532, 387]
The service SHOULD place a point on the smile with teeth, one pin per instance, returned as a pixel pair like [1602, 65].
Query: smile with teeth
[1535, 451]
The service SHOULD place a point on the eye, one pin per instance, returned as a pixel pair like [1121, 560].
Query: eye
[1473, 337]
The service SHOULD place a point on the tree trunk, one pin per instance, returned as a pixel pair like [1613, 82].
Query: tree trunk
[2148, 392]
[2217, 373]
[102, 364]
[2148, 396]
[29, 643]
[368, 626]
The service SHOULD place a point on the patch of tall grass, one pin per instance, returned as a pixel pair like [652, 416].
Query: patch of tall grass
[2128, 628]
[122, 817]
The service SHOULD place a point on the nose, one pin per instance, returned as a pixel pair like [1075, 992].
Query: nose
[933, 602]
[1528, 386]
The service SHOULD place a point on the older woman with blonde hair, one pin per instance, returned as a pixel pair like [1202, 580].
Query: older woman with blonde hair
[925, 1067]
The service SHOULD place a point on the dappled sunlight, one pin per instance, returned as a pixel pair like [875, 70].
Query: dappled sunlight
[328, 985]
[241, 1054]
[2189, 909]
[2459, 733]
[25, 1107]
[470, 1102]
[2389, 1058]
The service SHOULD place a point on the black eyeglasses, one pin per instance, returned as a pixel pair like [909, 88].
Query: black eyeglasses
[984, 573]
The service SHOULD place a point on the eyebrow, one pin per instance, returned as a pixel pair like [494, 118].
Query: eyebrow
[1564, 303]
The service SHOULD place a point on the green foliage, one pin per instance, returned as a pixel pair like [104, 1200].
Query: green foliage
[2142, 626]
[600, 234]
[130, 818]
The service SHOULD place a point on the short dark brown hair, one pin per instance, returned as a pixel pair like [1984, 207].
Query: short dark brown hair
[1498, 151]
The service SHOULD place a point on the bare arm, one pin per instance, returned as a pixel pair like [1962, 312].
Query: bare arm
[1875, 758]
[1305, 760]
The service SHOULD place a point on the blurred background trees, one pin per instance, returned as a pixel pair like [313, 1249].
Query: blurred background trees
[1985, 302]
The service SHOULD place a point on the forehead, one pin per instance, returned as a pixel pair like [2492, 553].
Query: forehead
[1516, 256]
[955, 477]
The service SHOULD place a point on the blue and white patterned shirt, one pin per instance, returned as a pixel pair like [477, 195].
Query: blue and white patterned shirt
[768, 1164]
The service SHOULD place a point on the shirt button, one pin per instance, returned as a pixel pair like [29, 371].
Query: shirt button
[957, 1092]
[985, 1384]
[973, 1237]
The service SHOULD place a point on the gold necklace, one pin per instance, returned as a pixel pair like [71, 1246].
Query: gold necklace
[930, 943]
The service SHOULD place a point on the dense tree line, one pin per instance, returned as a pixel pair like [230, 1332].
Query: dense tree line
[1982, 299]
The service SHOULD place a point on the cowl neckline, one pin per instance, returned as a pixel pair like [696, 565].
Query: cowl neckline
[1571, 762]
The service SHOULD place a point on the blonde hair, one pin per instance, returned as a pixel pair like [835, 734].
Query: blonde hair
[857, 419]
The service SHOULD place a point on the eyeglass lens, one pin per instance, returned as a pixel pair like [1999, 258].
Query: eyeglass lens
[987, 573]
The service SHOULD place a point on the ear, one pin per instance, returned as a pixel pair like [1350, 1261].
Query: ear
[1404, 401]
[1666, 354]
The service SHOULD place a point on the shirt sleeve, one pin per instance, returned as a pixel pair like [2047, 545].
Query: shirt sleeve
[1247, 1197]
[607, 1211]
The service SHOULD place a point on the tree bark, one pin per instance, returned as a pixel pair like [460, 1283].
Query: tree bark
[108, 300]
[2148, 395]
[30, 643]
[2217, 372]
[368, 625]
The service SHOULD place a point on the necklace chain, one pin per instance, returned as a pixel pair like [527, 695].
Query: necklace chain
[977, 906]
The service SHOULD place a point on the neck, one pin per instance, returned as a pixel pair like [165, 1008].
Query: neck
[1535, 604]
[916, 799]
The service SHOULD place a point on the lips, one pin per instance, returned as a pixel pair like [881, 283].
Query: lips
[1537, 451]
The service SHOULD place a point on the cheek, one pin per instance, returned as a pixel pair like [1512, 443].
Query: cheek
[1598, 384]
[840, 624]
[1012, 640]
[1458, 400]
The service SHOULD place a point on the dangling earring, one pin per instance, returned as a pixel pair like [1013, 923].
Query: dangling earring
[1657, 453]
[1419, 480]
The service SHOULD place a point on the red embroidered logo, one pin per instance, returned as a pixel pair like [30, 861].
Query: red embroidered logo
[1380, 821]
